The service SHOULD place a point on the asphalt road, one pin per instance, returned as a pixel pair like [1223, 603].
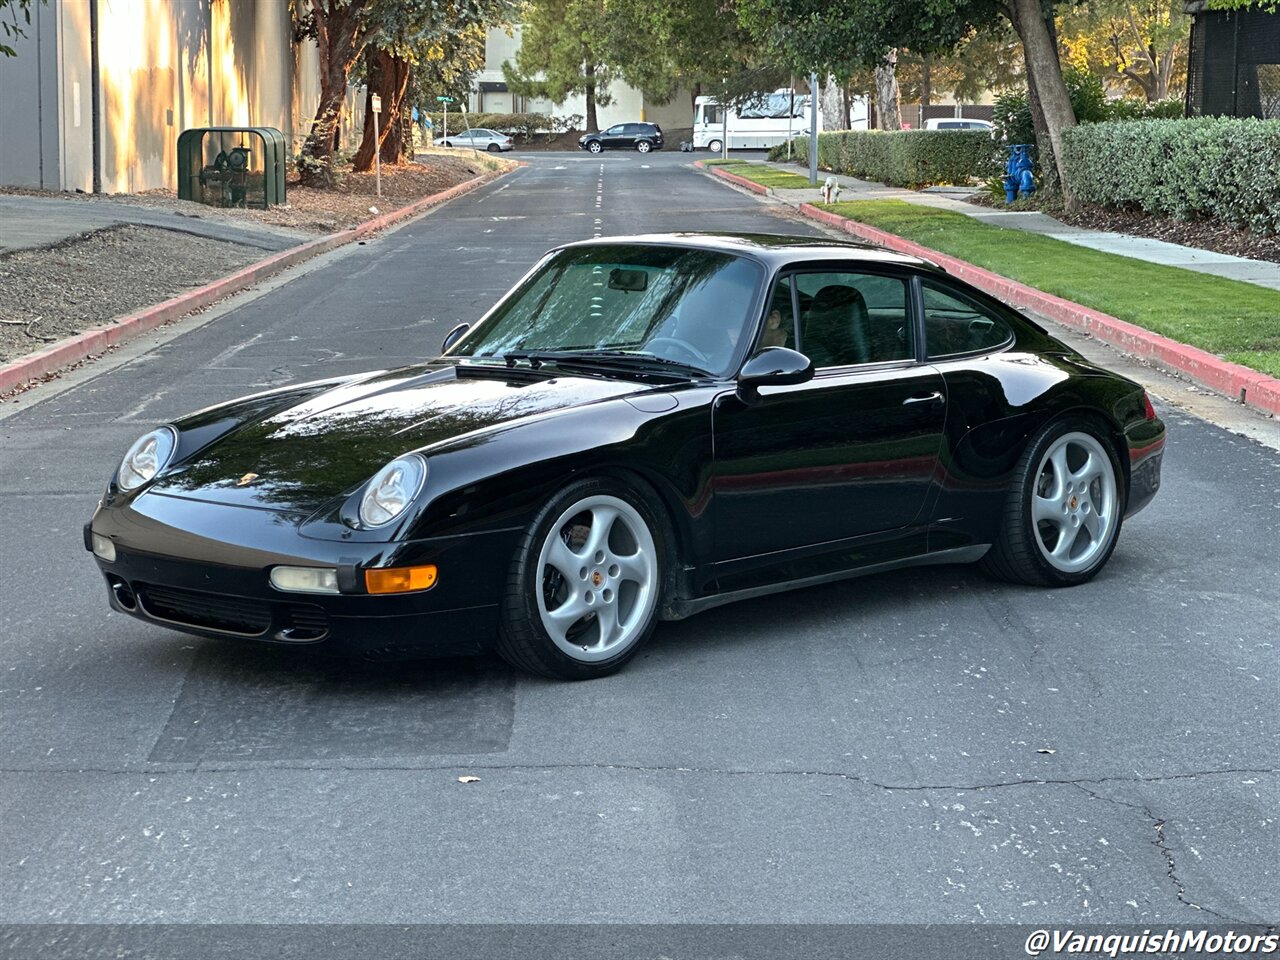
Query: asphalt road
[922, 747]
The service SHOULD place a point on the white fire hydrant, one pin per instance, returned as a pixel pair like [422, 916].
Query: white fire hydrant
[831, 190]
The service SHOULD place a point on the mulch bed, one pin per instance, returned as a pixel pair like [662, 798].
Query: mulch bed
[1205, 234]
[53, 292]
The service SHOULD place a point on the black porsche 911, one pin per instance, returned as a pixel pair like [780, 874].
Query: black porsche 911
[643, 428]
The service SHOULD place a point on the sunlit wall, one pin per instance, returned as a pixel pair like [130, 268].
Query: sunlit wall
[165, 66]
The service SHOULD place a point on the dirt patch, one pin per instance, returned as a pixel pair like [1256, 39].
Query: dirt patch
[352, 201]
[1202, 234]
[55, 292]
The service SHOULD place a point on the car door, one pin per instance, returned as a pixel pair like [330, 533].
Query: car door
[851, 453]
[613, 137]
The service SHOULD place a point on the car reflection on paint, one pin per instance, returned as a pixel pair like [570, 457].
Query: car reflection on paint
[642, 429]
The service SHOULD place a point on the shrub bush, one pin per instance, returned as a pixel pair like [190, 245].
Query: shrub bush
[905, 158]
[1207, 167]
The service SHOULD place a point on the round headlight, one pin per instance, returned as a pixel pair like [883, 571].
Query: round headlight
[148, 456]
[392, 489]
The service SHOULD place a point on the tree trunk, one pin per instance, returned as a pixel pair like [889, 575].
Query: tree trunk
[339, 42]
[1044, 149]
[590, 91]
[829, 101]
[926, 87]
[1044, 70]
[389, 78]
[887, 98]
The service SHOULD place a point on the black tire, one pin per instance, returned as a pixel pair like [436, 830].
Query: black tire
[644, 146]
[1017, 556]
[523, 640]
[494, 148]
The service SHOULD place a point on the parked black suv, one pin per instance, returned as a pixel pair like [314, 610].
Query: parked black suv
[624, 136]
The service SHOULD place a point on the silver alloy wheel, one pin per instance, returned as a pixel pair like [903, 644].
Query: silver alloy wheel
[1073, 503]
[597, 578]
[595, 146]
[644, 146]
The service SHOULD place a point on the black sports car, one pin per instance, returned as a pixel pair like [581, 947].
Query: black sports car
[643, 428]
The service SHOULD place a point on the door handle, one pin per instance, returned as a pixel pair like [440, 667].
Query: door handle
[935, 397]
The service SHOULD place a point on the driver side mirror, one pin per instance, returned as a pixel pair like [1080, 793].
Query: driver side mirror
[453, 336]
[773, 367]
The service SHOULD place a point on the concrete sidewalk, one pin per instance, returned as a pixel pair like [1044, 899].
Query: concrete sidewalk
[1259, 272]
[28, 222]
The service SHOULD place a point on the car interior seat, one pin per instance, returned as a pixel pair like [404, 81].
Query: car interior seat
[835, 328]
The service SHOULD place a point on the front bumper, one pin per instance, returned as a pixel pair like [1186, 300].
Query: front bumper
[169, 571]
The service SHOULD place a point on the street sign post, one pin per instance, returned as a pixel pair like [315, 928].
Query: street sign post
[445, 101]
[376, 102]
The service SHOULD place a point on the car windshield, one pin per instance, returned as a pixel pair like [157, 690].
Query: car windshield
[659, 304]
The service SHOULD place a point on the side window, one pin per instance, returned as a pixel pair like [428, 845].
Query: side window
[853, 318]
[615, 130]
[779, 319]
[953, 323]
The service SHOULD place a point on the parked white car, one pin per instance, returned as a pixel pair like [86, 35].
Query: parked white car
[478, 139]
[957, 123]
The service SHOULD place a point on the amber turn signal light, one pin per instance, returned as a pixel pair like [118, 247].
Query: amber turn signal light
[400, 579]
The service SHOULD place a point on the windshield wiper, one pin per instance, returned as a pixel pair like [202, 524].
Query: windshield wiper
[603, 358]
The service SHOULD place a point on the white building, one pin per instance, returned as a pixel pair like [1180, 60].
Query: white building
[490, 94]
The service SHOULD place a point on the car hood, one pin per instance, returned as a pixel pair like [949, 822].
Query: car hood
[299, 458]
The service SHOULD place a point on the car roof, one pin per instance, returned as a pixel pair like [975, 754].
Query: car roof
[775, 249]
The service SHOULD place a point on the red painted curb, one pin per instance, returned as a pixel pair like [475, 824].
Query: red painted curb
[91, 343]
[1238, 382]
[734, 178]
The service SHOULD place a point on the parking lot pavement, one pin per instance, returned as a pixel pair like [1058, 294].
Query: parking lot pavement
[926, 746]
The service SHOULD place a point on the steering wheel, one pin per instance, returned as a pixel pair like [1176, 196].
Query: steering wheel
[688, 349]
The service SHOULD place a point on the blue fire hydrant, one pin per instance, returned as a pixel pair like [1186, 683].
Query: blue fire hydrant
[1018, 179]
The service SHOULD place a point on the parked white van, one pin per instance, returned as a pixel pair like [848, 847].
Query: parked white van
[957, 123]
[772, 119]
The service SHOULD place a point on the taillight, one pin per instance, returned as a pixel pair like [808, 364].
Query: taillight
[1147, 409]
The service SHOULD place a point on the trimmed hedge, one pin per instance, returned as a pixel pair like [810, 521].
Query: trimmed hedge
[1208, 167]
[904, 158]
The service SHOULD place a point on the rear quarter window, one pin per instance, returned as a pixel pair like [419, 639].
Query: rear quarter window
[956, 324]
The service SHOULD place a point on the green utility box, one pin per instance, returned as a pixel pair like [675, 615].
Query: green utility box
[232, 166]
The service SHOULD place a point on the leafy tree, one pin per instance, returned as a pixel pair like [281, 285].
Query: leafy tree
[1142, 43]
[563, 52]
[441, 39]
[340, 29]
[986, 60]
[662, 46]
[840, 34]
[15, 17]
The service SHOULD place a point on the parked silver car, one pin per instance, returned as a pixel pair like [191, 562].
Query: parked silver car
[478, 139]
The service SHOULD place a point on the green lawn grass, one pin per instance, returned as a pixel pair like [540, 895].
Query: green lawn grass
[1236, 320]
[765, 176]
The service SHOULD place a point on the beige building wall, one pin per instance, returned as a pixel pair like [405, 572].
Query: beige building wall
[165, 66]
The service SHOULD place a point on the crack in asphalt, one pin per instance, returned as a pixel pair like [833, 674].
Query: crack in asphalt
[203, 766]
[1161, 844]
[1081, 783]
